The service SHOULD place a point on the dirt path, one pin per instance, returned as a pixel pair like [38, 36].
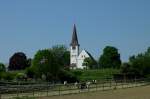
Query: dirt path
[129, 93]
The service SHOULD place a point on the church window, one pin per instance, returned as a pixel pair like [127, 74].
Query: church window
[73, 47]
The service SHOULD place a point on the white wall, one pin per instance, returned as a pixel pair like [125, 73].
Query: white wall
[81, 58]
[74, 55]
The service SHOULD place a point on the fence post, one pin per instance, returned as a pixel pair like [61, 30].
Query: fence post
[88, 86]
[122, 84]
[18, 89]
[96, 86]
[115, 84]
[103, 86]
[59, 90]
[47, 88]
[135, 82]
[110, 84]
[33, 90]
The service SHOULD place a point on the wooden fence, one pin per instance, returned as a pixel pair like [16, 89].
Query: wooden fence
[10, 90]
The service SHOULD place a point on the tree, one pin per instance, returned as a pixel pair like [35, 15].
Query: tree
[29, 61]
[45, 63]
[2, 67]
[110, 58]
[90, 63]
[141, 65]
[62, 55]
[126, 68]
[18, 61]
[138, 64]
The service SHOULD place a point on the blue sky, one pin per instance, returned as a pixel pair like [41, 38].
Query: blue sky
[30, 25]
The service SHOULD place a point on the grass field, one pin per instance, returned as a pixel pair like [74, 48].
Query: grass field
[99, 74]
[129, 93]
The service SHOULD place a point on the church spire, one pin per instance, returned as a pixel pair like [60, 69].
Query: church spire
[74, 41]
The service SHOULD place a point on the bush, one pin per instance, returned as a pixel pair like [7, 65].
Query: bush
[2, 67]
[30, 72]
[9, 76]
[67, 76]
[20, 76]
[138, 65]
[2, 74]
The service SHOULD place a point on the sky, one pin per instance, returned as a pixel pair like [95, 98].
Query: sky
[29, 25]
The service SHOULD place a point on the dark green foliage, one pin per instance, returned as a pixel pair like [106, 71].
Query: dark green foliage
[126, 68]
[2, 67]
[68, 76]
[138, 65]
[29, 62]
[2, 74]
[48, 63]
[9, 76]
[18, 61]
[2, 70]
[20, 76]
[110, 58]
[45, 63]
[62, 55]
[30, 72]
[90, 63]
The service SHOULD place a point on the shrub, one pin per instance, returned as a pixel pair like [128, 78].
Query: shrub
[67, 76]
[2, 67]
[9, 76]
[20, 76]
[2, 74]
[30, 72]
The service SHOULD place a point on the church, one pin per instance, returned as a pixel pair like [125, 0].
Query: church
[77, 57]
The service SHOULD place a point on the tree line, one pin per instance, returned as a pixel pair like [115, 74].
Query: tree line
[53, 64]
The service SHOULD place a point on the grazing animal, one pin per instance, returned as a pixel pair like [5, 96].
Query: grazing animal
[88, 84]
[65, 82]
[83, 85]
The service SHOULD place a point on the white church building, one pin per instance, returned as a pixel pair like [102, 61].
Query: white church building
[77, 57]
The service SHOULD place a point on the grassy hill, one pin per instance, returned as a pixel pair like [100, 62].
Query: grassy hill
[101, 74]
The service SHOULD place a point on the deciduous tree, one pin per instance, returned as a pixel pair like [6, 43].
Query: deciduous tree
[110, 58]
[18, 61]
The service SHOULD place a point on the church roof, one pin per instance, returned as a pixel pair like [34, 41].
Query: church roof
[89, 55]
[74, 41]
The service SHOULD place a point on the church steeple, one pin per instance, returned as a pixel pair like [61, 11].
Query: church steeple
[74, 49]
[74, 41]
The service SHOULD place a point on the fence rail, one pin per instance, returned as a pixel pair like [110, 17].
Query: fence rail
[10, 90]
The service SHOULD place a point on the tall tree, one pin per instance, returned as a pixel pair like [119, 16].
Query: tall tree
[18, 61]
[45, 63]
[110, 58]
[138, 64]
[62, 55]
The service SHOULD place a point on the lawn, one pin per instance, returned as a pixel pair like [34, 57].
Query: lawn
[100, 74]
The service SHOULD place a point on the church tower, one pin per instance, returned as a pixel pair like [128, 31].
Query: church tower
[74, 49]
